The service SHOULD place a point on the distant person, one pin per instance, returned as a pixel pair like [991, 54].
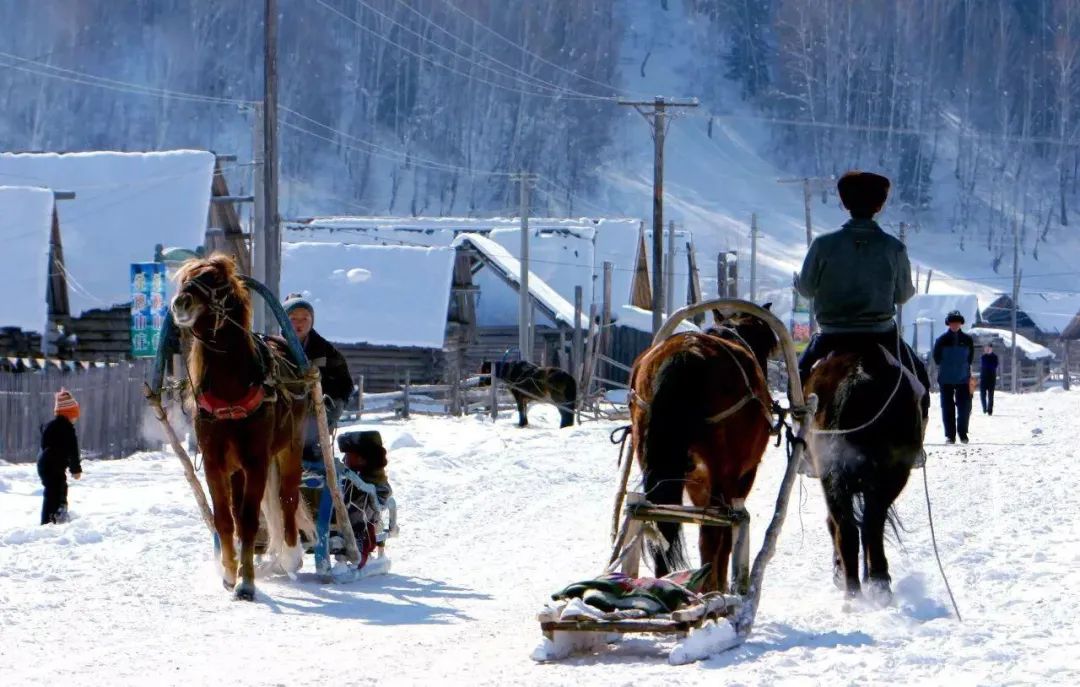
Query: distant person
[954, 352]
[856, 277]
[337, 384]
[59, 454]
[988, 367]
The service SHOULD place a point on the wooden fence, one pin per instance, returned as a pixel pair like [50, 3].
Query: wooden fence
[111, 400]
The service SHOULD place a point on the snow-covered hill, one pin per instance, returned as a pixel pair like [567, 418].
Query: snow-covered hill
[494, 519]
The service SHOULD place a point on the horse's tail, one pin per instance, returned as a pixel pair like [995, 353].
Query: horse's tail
[275, 515]
[674, 421]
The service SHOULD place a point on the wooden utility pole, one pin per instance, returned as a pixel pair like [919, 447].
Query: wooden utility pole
[669, 286]
[258, 229]
[657, 117]
[753, 258]
[1017, 274]
[272, 228]
[809, 185]
[525, 324]
[900, 308]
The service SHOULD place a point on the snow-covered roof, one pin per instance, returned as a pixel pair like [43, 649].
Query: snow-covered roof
[124, 204]
[547, 299]
[25, 227]
[1051, 312]
[1001, 337]
[641, 320]
[378, 295]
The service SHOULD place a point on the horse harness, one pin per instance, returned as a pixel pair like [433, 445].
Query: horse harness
[213, 408]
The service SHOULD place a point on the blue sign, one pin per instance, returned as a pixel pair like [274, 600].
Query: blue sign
[148, 307]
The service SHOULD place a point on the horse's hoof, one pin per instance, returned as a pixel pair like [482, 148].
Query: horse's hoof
[228, 585]
[245, 591]
[879, 592]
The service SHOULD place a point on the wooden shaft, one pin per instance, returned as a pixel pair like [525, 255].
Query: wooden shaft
[331, 468]
[620, 494]
[185, 460]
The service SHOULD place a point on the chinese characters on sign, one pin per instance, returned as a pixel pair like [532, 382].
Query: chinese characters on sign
[148, 307]
[800, 321]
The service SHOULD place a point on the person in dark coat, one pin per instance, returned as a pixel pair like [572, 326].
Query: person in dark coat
[988, 367]
[59, 454]
[954, 352]
[337, 383]
[856, 277]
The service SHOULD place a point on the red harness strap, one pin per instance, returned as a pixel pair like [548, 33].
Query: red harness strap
[224, 410]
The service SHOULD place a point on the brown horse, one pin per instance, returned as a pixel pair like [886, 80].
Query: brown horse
[867, 435]
[701, 421]
[249, 431]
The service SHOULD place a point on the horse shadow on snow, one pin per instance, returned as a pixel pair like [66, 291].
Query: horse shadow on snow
[388, 600]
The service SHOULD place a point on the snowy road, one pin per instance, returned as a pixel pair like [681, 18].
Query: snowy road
[493, 520]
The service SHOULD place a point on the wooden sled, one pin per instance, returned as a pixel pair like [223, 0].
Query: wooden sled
[715, 622]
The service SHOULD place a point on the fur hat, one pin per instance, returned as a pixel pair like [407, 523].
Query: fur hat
[863, 193]
[954, 316]
[297, 300]
[66, 405]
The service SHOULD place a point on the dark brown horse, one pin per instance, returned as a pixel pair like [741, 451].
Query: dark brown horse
[530, 383]
[867, 435]
[701, 421]
[250, 430]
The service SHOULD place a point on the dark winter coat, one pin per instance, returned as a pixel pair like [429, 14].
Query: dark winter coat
[856, 277]
[336, 381]
[988, 366]
[953, 354]
[59, 450]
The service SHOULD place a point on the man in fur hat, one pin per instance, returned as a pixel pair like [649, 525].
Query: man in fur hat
[856, 277]
[337, 383]
[954, 351]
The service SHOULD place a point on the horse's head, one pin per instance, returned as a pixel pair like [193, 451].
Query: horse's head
[210, 296]
[750, 330]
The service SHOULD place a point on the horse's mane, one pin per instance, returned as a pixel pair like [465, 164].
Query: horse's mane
[751, 330]
[222, 271]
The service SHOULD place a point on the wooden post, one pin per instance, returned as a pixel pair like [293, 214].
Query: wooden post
[590, 346]
[669, 268]
[605, 316]
[359, 397]
[576, 354]
[753, 257]
[272, 232]
[900, 308]
[1015, 305]
[405, 397]
[524, 299]
[455, 389]
[1065, 381]
[494, 394]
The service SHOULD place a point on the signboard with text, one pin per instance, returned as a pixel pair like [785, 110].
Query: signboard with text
[148, 307]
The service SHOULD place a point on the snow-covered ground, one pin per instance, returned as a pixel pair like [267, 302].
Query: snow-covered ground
[494, 519]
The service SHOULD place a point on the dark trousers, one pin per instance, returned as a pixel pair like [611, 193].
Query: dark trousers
[54, 499]
[986, 394]
[955, 409]
[823, 344]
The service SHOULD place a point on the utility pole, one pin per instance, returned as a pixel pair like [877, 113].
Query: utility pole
[809, 185]
[657, 117]
[258, 229]
[1017, 274]
[272, 230]
[753, 258]
[525, 341]
[669, 286]
[900, 308]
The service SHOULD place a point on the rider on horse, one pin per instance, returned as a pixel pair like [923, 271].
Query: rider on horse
[856, 277]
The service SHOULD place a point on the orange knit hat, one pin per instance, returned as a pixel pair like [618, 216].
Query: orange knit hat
[66, 405]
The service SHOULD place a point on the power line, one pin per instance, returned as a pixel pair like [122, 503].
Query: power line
[533, 81]
[526, 51]
[435, 63]
[83, 78]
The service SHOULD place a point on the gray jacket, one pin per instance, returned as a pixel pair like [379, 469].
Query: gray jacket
[856, 277]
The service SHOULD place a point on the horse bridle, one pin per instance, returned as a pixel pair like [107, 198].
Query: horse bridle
[215, 303]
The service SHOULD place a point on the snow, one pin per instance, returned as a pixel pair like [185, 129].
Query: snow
[1003, 338]
[25, 228]
[124, 204]
[1051, 312]
[558, 306]
[494, 519]
[641, 320]
[378, 295]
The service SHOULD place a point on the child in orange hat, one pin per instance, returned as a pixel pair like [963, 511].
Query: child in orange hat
[59, 453]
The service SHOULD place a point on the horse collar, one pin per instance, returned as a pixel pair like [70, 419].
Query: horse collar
[225, 410]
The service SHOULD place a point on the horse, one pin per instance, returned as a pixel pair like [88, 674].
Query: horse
[701, 420]
[866, 436]
[530, 382]
[249, 423]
